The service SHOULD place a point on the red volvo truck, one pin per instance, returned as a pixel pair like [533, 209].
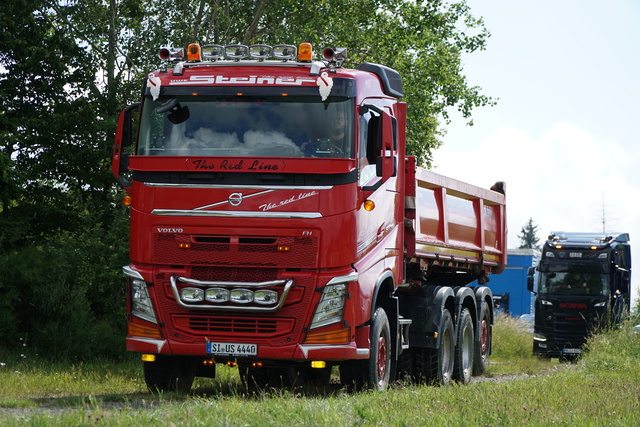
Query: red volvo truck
[277, 225]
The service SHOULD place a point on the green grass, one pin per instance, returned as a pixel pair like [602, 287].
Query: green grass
[601, 388]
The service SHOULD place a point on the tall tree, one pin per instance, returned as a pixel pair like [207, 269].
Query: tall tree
[528, 236]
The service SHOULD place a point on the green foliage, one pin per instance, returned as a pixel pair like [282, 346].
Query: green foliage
[65, 298]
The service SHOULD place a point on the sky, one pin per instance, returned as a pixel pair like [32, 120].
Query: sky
[565, 133]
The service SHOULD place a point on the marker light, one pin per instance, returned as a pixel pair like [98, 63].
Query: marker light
[148, 357]
[305, 52]
[369, 205]
[318, 364]
[260, 51]
[558, 246]
[236, 51]
[212, 52]
[193, 53]
[284, 51]
[126, 200]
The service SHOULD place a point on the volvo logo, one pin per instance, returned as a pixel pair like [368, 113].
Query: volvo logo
[235, 199]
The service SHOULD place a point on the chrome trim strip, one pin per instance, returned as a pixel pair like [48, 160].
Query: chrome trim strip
[227, 201]
[287, 287]
[240, 187]
[238, 214]
[130, 272]
[306, 348]
[158, 343]
[351, 277]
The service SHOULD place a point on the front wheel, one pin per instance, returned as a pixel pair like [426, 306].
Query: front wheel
[379, 366]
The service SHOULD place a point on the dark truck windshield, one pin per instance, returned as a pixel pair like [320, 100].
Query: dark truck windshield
[574, 283]
[239, 126]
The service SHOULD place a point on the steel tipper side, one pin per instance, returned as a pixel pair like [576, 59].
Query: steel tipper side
[260, 242]
[583, 285]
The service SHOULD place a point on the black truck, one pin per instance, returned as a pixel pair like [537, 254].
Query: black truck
[583, 284]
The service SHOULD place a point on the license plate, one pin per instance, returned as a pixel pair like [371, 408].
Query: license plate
[571, 351]
[232, 349]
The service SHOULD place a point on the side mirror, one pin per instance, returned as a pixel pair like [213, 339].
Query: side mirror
[530, 272]
[177, 113]
[124, 139]
[382, 142]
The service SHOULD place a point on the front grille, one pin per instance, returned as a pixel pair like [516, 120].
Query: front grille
[247, 251]
[223, 326]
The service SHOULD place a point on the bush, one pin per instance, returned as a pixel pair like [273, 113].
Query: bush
[65, 297]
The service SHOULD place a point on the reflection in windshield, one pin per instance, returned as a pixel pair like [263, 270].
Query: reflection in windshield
[574, 283]
[247, 127]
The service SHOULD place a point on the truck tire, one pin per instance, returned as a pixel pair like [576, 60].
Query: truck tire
[379, 364]
[434, 366]
[483, 347]
[465, 348]
[169, 374]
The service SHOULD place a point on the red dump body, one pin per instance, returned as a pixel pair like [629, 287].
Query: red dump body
[455, 222]
[259, 238]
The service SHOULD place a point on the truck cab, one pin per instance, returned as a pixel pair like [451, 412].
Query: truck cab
[583, 286]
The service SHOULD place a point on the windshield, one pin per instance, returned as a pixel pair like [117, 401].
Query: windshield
[247, 127]
[574, 283]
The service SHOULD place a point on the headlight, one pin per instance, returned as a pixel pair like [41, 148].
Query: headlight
[141, 305]
[331, 305]
[192, 294]
[539, 337]
[217, 295]
[265, 297]
[600, 304]
[241, 296]
[545, 302]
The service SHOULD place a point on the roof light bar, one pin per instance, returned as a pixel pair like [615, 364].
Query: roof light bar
[284, 51]
[212, 52]
[236, 51]
[260, 51]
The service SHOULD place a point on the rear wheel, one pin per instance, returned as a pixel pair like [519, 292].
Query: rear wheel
[443, 368]
[464, 348]
[435, 365]
[483, 344]
[169, 374]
